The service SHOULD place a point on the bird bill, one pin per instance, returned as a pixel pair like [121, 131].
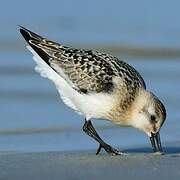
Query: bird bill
[156, 142]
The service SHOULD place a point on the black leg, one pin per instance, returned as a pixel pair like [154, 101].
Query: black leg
[90, 130]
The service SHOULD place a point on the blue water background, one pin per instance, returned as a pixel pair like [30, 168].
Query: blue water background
[33, 118]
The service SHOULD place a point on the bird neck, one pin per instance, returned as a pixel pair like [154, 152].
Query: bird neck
[125, 112]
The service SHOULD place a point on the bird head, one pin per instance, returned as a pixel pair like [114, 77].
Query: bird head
[149, 115]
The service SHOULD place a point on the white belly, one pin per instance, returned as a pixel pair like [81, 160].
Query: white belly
[91, 105]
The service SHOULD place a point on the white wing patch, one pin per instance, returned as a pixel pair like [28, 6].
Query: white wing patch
[64, 89]
[94, 105]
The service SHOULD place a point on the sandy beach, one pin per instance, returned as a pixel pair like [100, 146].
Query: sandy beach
[138, 164]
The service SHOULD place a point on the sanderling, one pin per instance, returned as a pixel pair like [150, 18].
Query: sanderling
[98, 85]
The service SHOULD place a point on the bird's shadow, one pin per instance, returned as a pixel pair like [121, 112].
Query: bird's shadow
[167, 150]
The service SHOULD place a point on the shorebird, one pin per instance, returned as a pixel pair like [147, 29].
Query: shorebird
[100, 86]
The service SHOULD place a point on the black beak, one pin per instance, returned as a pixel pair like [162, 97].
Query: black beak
[156, 142]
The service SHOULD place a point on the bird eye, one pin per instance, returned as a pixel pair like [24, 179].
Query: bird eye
[153, 118]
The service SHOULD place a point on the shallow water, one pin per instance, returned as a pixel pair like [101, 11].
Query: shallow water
[127, 23]
[33, 118]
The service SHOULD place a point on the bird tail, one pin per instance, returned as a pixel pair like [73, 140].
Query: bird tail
[42, 46]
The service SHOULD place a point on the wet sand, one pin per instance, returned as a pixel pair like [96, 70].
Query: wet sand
[138, 164]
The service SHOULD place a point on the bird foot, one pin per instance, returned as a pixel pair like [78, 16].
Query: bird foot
[109, 150]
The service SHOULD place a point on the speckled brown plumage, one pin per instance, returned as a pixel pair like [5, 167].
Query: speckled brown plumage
[89, 71]
[98, 85]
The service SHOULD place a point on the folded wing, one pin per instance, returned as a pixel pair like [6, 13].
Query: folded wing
[86, 71]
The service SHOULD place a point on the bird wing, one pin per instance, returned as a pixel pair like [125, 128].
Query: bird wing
[85, 70]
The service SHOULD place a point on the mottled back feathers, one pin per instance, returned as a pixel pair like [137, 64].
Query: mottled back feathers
[87, 71]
